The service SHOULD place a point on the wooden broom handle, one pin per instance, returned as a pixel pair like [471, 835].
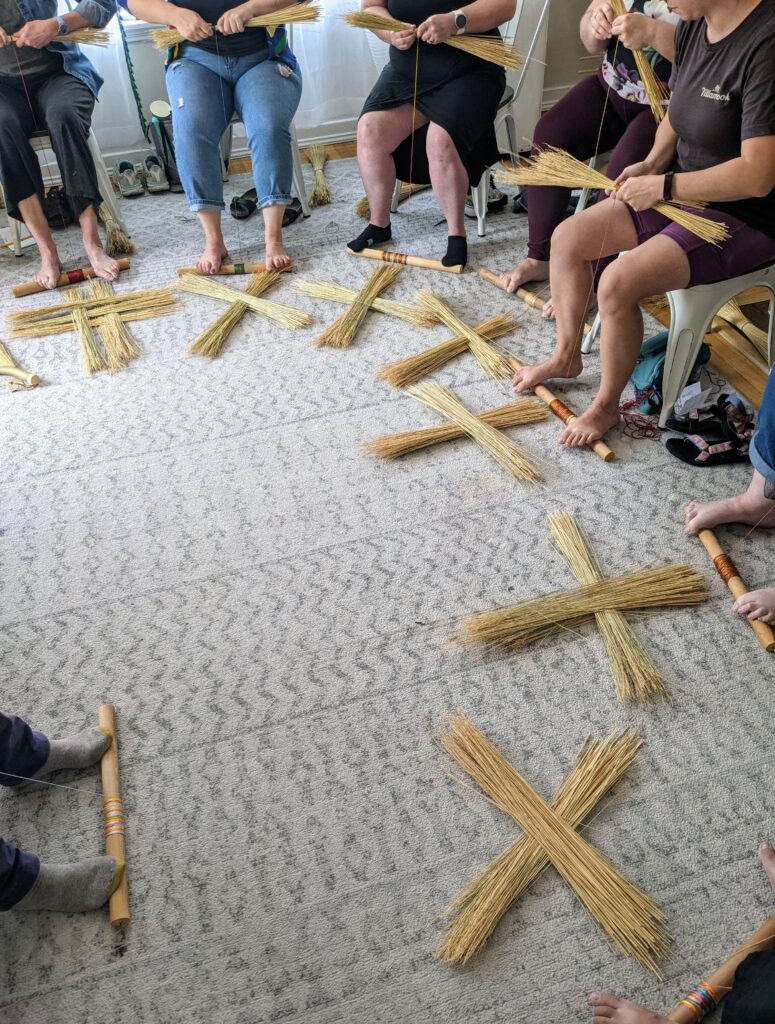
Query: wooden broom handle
[30, 380]
[388, 256]
[113, 809]
[529, 298]
[727, 570]
[71, 277]
[722, 978]
[228, 269]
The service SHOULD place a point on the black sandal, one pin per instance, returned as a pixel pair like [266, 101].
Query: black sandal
[292, 212]
[241, 207]
[697, 451]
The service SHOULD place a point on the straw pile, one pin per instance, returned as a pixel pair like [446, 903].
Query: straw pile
[500, 448]
[413, 368]
[733, 313]
[634, 923]
[283, 315]
[93, 360]
[295, 14]
[668, 586]
[58, 319]
[479, 908]
[657, 92]
[117, 241]
[492, 49]
[363, 209]
[635, 675]
[514, 414]
[341, 333]
[321, 193]
[213, 338]
[337, 293]
[556, 167]
[120, 348]
[491, 362]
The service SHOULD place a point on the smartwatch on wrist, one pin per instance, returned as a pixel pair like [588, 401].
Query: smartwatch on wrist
[61, 25]
[667, 187]
[460, 22]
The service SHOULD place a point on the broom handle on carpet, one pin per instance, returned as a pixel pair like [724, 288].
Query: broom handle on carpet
[721, 979]
[71, 277]
[529, 298]
[227, 269]
[30, 380]
[727, 570]
[387, 256]
[113, 810]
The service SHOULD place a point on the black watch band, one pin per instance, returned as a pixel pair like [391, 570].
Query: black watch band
[667, 188]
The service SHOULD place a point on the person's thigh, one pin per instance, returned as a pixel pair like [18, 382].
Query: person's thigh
[61, 101]
[15, 114]
[202, 103]
[605, 229]
[634, 145]
[266, 98]
[389, 128]
[574, 122]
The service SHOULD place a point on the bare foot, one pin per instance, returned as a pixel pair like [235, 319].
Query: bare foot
[211, 259]
[275, 257]
[590, 426]
[50, 269]
[757, 604]
[611, 1009]
[527, 270]
[548, 311]
[767, 857]
[556, 367]
[756, 507]
[104, 266]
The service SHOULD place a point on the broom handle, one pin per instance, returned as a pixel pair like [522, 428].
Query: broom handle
[113, 809]
[227, 269]
[30, 380]
[71, 277]
[529, 298]
[387, 256]
[721, 979]
[727, 570]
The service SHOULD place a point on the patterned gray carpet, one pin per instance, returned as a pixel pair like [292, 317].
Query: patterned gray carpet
[203, 545]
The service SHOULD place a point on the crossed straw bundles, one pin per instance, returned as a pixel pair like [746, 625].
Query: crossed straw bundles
[295, 14]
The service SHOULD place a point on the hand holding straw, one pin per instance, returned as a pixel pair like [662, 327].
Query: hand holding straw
[295, 14]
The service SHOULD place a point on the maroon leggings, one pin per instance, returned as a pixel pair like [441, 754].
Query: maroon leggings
[573, 124]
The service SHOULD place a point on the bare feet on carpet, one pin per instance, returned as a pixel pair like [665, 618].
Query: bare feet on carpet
[104, 266]
[524, 272]
[767, 857]
[757, 604]
[548, 311]
[590, 426]
[755, 507]
[50, 269]
[211, 259]
[553, 368]
[276, 258]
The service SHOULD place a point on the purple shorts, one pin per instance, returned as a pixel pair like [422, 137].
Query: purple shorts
[745, 250]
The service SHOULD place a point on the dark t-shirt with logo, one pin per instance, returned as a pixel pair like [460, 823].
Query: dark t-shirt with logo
[722, 94]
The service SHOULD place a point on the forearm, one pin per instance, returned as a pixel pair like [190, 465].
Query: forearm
[724, 183]
[381, 11]
[158, 12]
[663, 38]
[483, 15]
[90, 14]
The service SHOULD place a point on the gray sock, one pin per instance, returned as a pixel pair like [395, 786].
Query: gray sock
[72, 888]
[76, 752]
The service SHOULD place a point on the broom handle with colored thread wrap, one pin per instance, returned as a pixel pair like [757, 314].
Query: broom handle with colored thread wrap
[722, 978]
[528, 297]
[389, 256]
[727, 570]
[113, 808]
[70, 277]
[227, 269]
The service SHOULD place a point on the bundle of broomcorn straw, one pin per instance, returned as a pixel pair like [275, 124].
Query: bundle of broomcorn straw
[341, 333]
[556, 167]
[321, 193]
[58, 319]
[16, 378]
[117, 241]
[481, 905]
[493, 49]
[633, 921]
[491, 362]
[93, 359]
[363, 209]
[657, 92]
[119, 346]
[295, 14]
[85, 37]
[283, 315]
[337, 293]
[213, 338]
[733, 313]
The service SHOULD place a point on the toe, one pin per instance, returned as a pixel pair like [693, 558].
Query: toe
[767, 855]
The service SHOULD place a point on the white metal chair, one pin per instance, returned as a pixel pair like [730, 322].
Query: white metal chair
[41, 141]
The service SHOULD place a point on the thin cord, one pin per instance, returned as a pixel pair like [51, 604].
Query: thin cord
[55, 785]
[414, 114]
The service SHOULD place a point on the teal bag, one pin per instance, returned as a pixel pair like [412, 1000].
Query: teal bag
[647, 376]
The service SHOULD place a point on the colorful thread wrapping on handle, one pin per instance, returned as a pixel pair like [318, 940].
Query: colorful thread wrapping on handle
[75, 276]
[393, 257]
[239, 268]
[561, 411]
[115, 819]
[725, 567]
[701, 999]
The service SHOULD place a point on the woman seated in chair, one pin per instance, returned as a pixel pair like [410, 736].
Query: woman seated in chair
[457, 98]
[222, 68]
[717, 146]
[48, 84]
[606, 111]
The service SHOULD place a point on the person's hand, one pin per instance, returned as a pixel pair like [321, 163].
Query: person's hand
[37, 33]
[190, 25]
[642, 192]
[5, 39]
[233, 21]
[601, 22]
[634, 30]
[403, 40]
[437, 29]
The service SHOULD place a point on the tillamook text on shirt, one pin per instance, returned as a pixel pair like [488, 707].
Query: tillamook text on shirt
[715, 94]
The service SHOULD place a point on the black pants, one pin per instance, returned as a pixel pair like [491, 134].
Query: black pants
[752, 999]
[62, 106]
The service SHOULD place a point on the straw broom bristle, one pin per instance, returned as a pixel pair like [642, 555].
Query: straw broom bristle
[341, 333]
[118, 344]
[478, 909]
[337, 293]
[656, 92]
[499, 447]
[635, 675]
[321, 193]
[130, 306]
[733, 313]
[633, 921]
[284, 315]
[212, 339]
[295, 14]
[363, 209]
[93, 359]
[413, 368]
[88, 37]
[514, 414]
[552, 166]
[523, 624]
[117, 241]
[492, 362]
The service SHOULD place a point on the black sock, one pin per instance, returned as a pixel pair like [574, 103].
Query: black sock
[457, 251]
[372, 235]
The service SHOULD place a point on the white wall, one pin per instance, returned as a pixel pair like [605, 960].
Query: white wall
[564, 49]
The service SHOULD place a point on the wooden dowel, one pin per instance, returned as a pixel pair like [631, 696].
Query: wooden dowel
[727, 570]
[386, 256]
[113, 811]
[227, 269]
[29, 380]
[721, 979]
[528, 297]
[71, 277]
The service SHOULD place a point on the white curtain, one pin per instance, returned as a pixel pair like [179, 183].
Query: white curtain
[115, 119]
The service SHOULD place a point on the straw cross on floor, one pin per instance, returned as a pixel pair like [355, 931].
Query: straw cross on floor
[634, 923]
[341, 333]
[604, 599]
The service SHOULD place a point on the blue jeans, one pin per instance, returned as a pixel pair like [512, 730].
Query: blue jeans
[762, 448]
[205, 90]
[22, 752]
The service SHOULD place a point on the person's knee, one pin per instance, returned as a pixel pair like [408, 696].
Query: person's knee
[567, 239]
[62, 119]
[613, 288]
[11, 128]
[439, 145]
[371, 132]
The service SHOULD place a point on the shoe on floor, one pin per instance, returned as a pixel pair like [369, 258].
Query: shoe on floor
[154, 173]
[127, 178]
[496, 200]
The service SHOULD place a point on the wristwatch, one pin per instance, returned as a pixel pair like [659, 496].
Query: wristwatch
[63, 30]
[460, 22]
[667, 187]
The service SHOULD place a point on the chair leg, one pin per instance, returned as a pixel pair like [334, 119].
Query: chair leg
[689, 322]
[396, 197]
[479, 196]
[591, 337]
[109, 197]
[298, 174]
[16, 235]
[511, 133]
